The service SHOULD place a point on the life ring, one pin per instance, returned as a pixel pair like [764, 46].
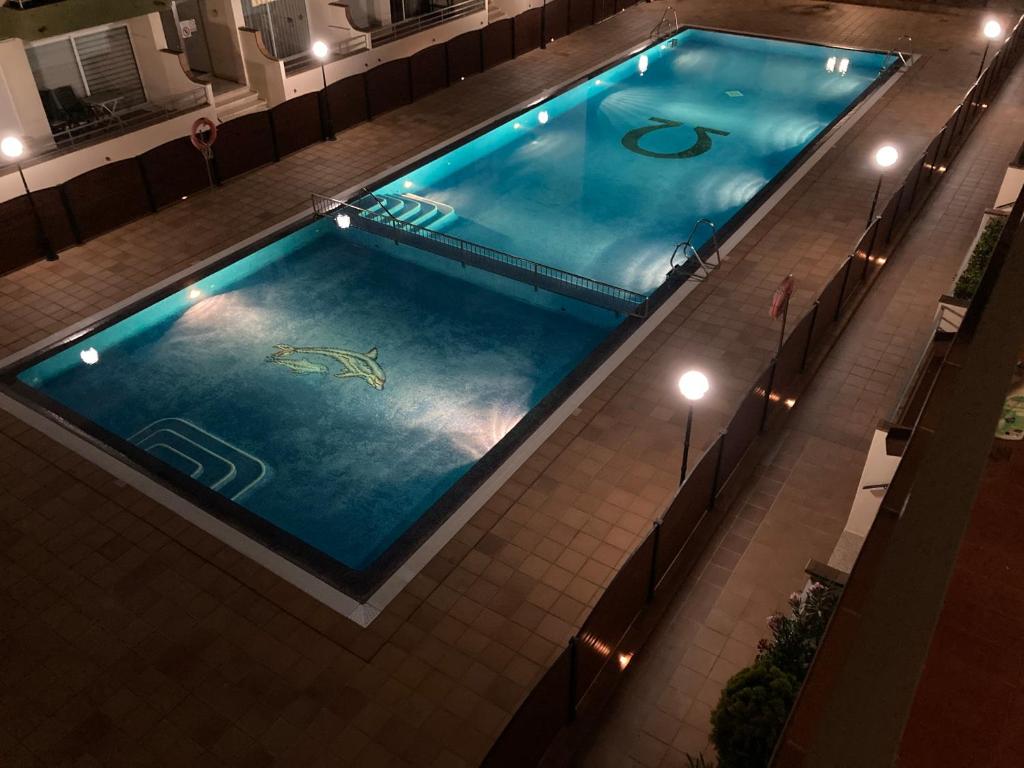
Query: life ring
[200, 126]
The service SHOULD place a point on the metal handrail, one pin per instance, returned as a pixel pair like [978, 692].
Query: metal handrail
[391, 32]
[687, 247]
[381, 204]
[535, 273]
[895, 50]
[656, 32]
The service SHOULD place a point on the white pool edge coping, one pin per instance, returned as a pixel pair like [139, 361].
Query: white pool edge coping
[364, 613]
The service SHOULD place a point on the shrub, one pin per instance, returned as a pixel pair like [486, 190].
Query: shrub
[967, 283]
[750, 715]
[795, 639]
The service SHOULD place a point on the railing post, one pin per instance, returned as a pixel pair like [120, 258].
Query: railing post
[543, 25]
[768, 395]
[895, 213]
[810, 337]
[842, 289]
[722, 437]
[653, 580]
[573, 659]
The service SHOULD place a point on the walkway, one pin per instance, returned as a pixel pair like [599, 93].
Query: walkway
[131, 638]
[798, 506]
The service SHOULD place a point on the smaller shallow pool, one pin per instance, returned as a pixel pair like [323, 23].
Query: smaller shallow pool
[332, 385]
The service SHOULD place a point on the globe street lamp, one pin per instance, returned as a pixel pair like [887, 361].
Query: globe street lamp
[885, 158]
[13, 148]
[693, 385]
[321, 51]
[992, 30]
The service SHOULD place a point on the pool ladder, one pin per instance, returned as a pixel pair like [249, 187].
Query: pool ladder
[688, 250]
[666, 25]
[905, 58]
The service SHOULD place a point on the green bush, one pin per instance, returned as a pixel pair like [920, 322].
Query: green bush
[795, 639]
[750, 715]
[967, 283]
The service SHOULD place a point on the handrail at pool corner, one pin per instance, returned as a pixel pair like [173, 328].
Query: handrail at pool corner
[534, 273]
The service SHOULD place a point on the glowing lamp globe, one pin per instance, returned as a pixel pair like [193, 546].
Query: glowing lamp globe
[886, 156]
[992, 29]
[320, 49]
[693, 385]
[12, 147]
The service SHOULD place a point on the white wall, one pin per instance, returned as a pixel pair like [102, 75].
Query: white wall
[21, 111]
[162, 73]
[223, 18]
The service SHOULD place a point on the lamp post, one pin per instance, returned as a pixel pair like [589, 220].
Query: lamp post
[885, 157]
[991, 30]
[321, 51]
[13, 148]
[693, 385]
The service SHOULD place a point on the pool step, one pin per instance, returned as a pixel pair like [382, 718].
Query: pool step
[414, 209]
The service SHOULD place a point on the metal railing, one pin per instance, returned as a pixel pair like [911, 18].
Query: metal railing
[391, 32]
[668, 24]
[570, 695]
[385, 224]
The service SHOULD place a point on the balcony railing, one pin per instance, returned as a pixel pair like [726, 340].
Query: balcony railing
[391, 32]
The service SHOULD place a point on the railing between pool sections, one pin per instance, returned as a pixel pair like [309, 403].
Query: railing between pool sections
[383, 223]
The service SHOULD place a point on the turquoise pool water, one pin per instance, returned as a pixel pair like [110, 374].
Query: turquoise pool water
[335, 386]
[344, 462]
[605, 179]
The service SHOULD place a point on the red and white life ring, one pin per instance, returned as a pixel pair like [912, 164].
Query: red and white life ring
[199, 127]
[780, 299]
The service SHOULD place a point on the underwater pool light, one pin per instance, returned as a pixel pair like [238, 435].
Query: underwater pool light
[542, 117]
[643, 63]
[343, 221]
[830, 65]
[195, 293]
[407, 184]
[844, 66]
[89, 356]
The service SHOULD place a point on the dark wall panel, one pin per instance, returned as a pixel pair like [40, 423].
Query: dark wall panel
[497, 43]
[297, 123]
[243, 144]
[428, 70]
[172, 170]
[581, 14]
[347, 102]
[21, 237]
[556, 19]
[107, 197]
[56, 221]
[464, 56]
[603, 9]
[388, 86]
[527, 30]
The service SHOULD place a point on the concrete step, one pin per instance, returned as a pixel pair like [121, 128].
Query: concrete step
[238, 103]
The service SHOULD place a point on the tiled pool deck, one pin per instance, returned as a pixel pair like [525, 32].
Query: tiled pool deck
[130, 637]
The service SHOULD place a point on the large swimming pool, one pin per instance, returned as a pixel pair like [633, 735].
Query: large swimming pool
[605, 179]
[332, 394]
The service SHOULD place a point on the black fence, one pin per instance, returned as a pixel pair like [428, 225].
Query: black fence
[112, 195]
[581, 678]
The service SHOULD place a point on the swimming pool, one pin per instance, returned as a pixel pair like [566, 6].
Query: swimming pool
[605, 179]
[335, 395]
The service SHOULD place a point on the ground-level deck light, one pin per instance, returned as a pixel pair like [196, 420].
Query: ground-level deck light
[13, 149]
[885, 158]
[693, 385]
[321, 51]
[992, 30]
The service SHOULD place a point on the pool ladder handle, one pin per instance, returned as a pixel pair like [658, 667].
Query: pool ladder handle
[686, 246]
[656, 32]
[905, 58]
